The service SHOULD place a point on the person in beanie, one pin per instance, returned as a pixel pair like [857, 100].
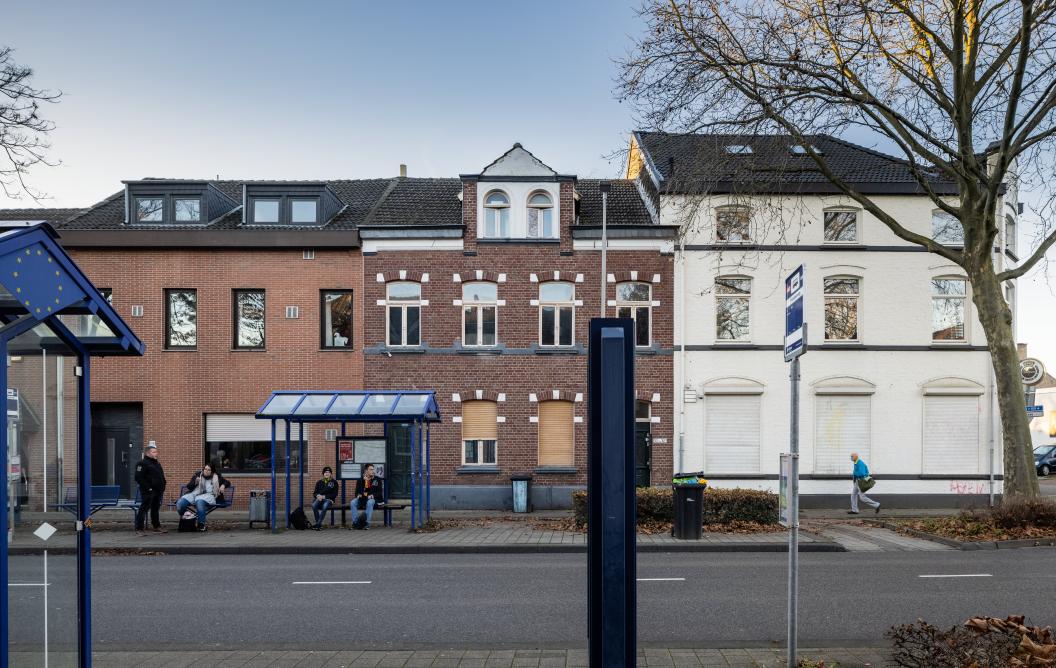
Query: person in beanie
[151, 480]
[325, 494]
[368, 494]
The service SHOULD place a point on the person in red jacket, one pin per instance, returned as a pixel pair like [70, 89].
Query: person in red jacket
[368, 494]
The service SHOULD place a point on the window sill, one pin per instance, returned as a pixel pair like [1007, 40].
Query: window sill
[843, 344]
[409, 350]
[556, 470]
[517, 240]
[950, 344]
[574, 349]
[473, 470]
[249, 350]
[324, 349]
[479, 350]
[179, 350]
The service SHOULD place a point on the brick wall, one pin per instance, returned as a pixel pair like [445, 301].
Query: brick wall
[177, 388]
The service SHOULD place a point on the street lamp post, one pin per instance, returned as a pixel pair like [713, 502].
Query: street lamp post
[604, 187]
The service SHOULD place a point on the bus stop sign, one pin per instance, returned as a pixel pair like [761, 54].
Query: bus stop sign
[795, 338]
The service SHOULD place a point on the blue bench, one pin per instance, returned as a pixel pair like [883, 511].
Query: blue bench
[103, 496]
[384, 507]
[227, 502]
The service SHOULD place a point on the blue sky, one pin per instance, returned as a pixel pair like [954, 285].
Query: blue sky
[339, 90]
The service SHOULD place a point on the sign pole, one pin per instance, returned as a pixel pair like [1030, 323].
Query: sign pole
[795, 347]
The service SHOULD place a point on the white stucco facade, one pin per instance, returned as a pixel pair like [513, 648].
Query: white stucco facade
[917, 410]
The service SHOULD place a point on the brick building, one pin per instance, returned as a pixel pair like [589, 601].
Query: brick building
[479, 287]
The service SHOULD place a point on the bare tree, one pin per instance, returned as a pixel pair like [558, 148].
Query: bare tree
[965, 89]
[23, 133]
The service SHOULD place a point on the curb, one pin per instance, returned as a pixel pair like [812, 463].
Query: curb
[556, 548]
[968, 546]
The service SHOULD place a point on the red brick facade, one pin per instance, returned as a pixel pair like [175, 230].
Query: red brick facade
[177, 388]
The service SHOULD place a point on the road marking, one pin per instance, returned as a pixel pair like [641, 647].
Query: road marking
[336, 582]
[959, 575]
[661, 579]
[28, 584]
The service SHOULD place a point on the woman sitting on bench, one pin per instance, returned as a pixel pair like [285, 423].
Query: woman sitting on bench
[368, 493]
[325, 494]
[203, 490]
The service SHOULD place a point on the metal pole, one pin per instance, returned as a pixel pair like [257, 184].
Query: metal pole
[287, 474]
[273, 508]
[44, 447]
[793, 531]
[604, 240]
[4, 529]
[300, 462]
[428, 477]
[84, 499]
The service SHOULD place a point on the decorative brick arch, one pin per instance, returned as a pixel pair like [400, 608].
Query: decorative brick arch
[403, 275]
[631, 276]
[475, 275]
[555, 395]
[478, 395]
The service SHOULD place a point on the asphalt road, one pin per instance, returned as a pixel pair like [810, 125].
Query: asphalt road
[504, 601]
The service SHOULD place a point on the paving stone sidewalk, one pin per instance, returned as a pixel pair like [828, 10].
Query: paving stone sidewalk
[844, 657]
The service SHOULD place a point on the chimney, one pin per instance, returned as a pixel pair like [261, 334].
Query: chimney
[403, 170]
[1021, 348]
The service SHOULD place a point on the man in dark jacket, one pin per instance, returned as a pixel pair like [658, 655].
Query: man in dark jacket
[324, 496]
[151, 480]
[368, 493]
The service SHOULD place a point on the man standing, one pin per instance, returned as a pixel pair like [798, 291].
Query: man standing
[151, 480]
[860, 472]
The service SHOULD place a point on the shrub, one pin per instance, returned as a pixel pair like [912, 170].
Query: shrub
[721, 506]
[1016, 513]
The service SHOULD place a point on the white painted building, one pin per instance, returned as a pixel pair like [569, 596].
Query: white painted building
[897, 368]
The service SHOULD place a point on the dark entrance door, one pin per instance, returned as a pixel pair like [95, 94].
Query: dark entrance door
[642, 454]
[398, 461]
[112, 458]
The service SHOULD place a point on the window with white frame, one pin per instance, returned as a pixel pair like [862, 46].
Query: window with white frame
[841, 226]
[949, 297]
[634, 301]
[946, 228]
[841, 308]
[496, 215]
[557, 311]
[540, 216]
[479, 314]
[733, 295]
[404, 305]
[480, 433]
[732, 224]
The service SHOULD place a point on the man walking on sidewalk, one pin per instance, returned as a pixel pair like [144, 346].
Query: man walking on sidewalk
[151, 480]
[860, 472]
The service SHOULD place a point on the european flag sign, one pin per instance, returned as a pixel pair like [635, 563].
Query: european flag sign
[35, 278]
[795, 335]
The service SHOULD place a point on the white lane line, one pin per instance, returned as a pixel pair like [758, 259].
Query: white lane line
[661, 579]
[336, 582]
[959, 575]
[28, 584]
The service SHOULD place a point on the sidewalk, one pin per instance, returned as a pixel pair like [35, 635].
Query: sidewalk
[846, 658]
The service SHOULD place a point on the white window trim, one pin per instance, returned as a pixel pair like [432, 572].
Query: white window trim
[858, 309]
[479, 306]
[634, 306]
[557, 326]
[751, 317]
[967, 310]
[487, 208]
[403, 305]
[480, 451]
[733, 207]
[857, 225]
[550, 207]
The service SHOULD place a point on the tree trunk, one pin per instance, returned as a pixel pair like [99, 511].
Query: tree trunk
[1020, 478]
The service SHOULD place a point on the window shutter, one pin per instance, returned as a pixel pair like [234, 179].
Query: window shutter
[556, 434]
[951, 434]
[842, 426]
[243, 427]
[478, 421]
[731, 433]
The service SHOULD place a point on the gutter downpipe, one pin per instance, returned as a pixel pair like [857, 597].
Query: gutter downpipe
[682, 358]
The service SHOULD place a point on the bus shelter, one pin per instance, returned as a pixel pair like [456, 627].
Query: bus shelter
[52, 322]
[417, 408]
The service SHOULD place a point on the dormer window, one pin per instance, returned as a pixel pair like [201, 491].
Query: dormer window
[497, 215]
[266, 211]
[295, 204]
[187, 209]
[304, 211]
[165, 202]
[739, 149]
[540, 216]
[150, 209]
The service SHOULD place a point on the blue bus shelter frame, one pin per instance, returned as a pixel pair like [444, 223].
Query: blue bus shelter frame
[43, 283]
[419, 416]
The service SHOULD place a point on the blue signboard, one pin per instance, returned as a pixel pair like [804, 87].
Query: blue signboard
[795, 329]
[1035, 411]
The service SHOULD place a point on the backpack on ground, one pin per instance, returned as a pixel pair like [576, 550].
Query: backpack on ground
[188, 522]
[298, 520]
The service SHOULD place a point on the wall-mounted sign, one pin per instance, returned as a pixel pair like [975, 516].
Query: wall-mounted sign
[355, 452]
[1031, 371]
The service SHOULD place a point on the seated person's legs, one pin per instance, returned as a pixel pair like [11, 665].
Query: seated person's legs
[327, 504]
[182, 504]
[369, 512]
[317, 510]
[203, 508]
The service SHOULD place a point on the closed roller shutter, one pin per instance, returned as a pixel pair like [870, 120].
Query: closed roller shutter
[731, 434]
[478, 421]
[555, 433]
[245, 427]
[951, 435]
[841, 426]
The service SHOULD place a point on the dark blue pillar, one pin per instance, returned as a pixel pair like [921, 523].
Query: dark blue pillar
[611, 548]
[273, 473]
[84, 499]
[4, 638]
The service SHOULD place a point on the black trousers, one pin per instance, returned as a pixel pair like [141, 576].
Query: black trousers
[151, 502]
